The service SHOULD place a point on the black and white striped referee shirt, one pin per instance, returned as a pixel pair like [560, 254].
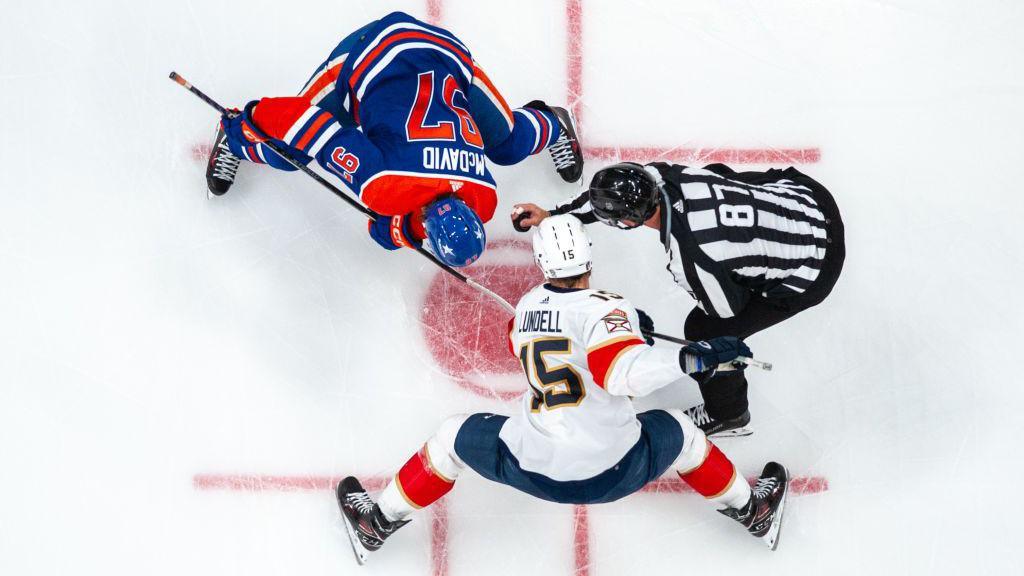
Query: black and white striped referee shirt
[729, 235]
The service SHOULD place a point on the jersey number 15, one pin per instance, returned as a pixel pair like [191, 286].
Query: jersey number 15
[553, 387]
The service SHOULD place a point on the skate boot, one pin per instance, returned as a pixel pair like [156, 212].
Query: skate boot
[222, 166]
[713, 428]
[566, 152]
[762, 516]
[365, 524]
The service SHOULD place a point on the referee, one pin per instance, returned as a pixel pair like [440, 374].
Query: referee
[752, 248]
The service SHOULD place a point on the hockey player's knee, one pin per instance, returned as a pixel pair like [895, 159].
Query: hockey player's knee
[441, 447]
[695, 444]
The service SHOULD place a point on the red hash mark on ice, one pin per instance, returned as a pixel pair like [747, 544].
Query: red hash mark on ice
[439, 520]
[695, 155]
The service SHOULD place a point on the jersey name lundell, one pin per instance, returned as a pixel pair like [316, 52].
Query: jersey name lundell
[541, 321]
[435, 158]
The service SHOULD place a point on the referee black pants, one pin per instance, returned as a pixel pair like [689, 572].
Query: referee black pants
[725, 393]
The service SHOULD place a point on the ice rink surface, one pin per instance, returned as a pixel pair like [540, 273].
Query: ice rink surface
[184, 378]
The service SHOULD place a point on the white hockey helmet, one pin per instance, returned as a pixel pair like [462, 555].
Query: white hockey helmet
[561, 247]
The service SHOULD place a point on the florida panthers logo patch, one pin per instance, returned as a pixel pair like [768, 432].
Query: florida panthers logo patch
[617, 321]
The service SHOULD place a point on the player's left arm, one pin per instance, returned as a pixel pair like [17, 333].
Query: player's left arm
[311, 133]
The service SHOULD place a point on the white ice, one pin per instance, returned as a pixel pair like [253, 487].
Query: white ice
[148, 334]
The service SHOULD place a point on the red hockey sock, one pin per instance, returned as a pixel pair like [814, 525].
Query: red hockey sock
[716, 479]
[419, 481]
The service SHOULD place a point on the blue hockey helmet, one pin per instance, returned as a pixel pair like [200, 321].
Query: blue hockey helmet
[454, 231]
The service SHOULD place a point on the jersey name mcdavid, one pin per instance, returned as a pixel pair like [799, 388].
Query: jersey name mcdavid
[435, 158]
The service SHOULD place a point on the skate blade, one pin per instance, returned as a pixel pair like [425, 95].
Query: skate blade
[772, 537]
[734, 433]
[360, 551]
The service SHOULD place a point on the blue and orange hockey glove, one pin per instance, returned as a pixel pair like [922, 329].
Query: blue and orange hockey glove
[393, 232]
[708, 354]
[239, 126]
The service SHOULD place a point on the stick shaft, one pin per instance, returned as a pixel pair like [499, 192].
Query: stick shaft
[340, 194]
[748, 361]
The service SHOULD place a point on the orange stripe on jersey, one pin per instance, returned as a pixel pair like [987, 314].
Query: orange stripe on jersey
[275, 116]
[392, 194]
[313, 129]
[328, 77]
[601, 359]
[479, 74]
[371, 58]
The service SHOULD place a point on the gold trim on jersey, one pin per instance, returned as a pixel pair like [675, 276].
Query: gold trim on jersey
[611, 365]
[562, 386]
[615, 340]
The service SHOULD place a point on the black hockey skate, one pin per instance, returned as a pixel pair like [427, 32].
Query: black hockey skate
[566, 152]
[739, 426]
[762, 516]
[222, 165]
[365, 524]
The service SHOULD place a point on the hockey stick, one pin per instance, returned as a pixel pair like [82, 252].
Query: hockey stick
[373, 215]
[766, 366]
[337, 192]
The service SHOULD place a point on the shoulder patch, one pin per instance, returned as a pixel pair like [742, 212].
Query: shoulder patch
[617, 321]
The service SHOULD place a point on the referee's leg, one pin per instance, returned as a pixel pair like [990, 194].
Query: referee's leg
[725, 393]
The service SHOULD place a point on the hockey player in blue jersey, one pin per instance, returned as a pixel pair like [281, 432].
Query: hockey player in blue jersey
[402, 114]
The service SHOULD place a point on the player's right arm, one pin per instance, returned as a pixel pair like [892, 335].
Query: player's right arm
[622, 363]
[618, 358]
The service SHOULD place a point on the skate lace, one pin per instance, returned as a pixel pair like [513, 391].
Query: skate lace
[561, 153]
[699, 415]
[360, 501]
[225, 164]
[764, 487]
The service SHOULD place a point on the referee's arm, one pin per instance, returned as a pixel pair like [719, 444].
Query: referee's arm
[579, 207]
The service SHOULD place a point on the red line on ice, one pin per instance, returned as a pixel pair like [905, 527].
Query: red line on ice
[574, 58]
[439, 521]
[705, 155]
[669, 485]
[581, 541]
[274, 483]
[435, 12]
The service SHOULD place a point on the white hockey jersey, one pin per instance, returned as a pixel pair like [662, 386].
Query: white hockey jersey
[583, 355]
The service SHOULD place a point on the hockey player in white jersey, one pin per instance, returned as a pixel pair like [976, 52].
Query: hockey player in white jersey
[576, 438]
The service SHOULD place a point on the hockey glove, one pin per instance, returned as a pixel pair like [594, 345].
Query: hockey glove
[646, 326]
[707, 354]
[240, 128]
[393, 232]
